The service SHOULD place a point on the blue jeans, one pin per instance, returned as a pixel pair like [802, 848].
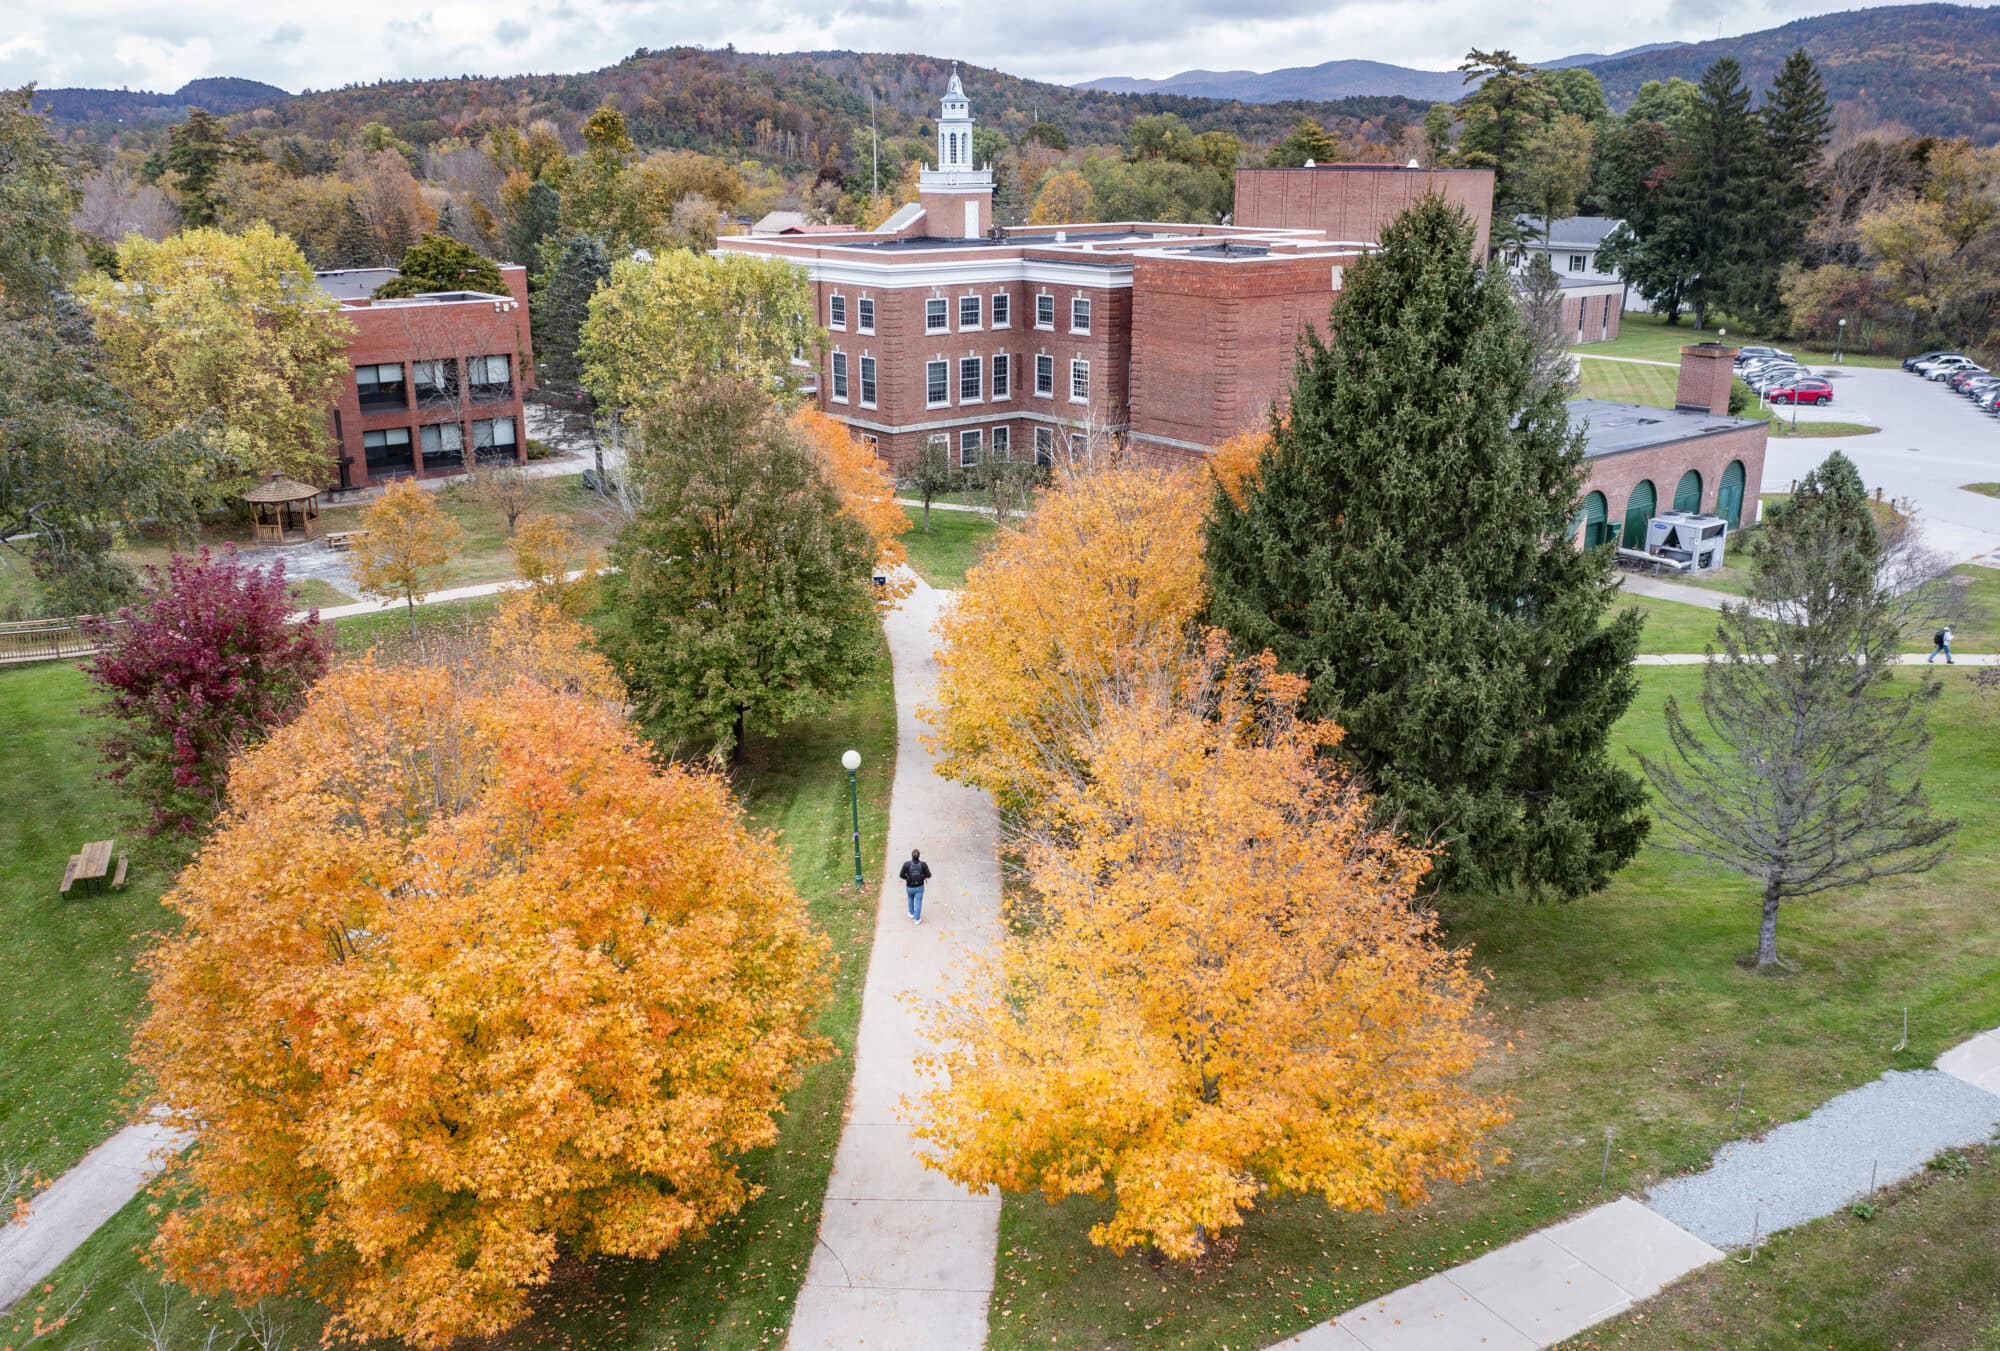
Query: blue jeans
[1941, 647]
[916, 902]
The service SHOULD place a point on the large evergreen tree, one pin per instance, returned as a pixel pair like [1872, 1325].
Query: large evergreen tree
[573, 269]
[1797, 124]
[1717, 195]
[1409, 546]
[534, 218]
[437, 262]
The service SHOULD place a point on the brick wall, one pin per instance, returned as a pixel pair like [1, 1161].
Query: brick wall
[1617, 475]
[1591, 318]
[1355, 201]
[1707, 369]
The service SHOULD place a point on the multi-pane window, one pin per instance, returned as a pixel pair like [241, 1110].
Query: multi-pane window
[936, 316]
[387, 452]
[1045, 375]
[443, 445]
[836, 311]
[1079, 382]
[968, 311]
[937, 383]
[1002, 310]
[968, 448]
[488, 377]
[1002, 442]
[840, 377]
[1045, 311]
[380, 386]
[864, 315]
[1576, 261]
[436, 381]
[868, 382]
[1045, 445]
[1079, 314]
[968, 380]
[1003, 376]
[493, 440]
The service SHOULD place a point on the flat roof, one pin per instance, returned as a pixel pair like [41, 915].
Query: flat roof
[353, 283]
[1618, 427]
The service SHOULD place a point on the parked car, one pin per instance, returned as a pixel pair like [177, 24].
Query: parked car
[1958, 378]
[1911, 363]
[1810, 390]
[1943, 366]
[1764, 366]
[1763, 381]
[1746, 355]
[1984, 384]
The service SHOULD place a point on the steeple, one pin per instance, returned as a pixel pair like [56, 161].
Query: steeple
[955, 128]
[957, 195]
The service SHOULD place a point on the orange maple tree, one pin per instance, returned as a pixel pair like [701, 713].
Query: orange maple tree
[1104, 572]
[465, 977]
[867, 491]
[1220, 990]
[1238, 461]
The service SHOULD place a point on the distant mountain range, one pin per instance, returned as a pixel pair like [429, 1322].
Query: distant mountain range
[218, 95]
[1932, 68]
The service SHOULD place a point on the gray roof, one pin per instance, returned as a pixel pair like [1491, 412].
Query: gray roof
[774, 221]
[1572, 232]
[353, 283]
[1617, 427]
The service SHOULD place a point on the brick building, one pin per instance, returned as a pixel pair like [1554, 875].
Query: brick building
[432, 378]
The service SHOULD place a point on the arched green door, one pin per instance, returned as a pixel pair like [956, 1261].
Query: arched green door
[1596, 522]
[1639, 510]
[1687, 493]
[1729, 497]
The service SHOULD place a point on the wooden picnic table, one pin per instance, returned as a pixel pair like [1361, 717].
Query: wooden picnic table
[88, 869]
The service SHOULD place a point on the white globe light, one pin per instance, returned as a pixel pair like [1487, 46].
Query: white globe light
[851, 761]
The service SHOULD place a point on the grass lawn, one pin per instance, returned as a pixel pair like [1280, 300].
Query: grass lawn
[1987, 489]
[733, 1290]
[1649, 338]
[1654, 386]
[69, 994]
[952, 546]
[1924, 1271]
[310, 593]
[1671, 625]
[1624, 1010]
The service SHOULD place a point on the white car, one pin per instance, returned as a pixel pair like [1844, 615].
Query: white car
[1943, 366]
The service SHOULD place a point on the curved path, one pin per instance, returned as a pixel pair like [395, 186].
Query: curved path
[905, 1258]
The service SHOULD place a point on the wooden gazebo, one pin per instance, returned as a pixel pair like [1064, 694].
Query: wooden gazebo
[283, 511]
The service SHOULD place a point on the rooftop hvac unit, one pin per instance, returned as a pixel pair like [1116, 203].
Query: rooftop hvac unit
[1687, 541]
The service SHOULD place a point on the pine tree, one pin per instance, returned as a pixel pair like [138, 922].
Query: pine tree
[353, 242]
[534, 219]
[1717, 196]
[1408, 545]
[1797, 124]
[574, 267]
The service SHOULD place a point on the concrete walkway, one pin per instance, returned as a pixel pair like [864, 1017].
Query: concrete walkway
[372, 607]
[70, 1210]
[1660, 589]
[905, 1259]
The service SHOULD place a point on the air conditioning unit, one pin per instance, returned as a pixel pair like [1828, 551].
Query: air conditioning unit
[1687, 541]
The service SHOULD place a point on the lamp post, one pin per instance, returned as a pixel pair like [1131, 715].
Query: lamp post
[1839, 341]
[851, 762]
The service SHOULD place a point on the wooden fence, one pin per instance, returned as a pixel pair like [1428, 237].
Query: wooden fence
[43, 640]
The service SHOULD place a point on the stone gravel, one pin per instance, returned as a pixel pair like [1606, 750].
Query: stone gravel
[1805, 1169]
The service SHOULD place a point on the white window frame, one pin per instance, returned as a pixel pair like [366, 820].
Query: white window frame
[1000, 310]
[940, 441]
[976, 367]
[978, 304]
[1077, 365]
[1050, 326]
[864, 314]
[868, 379]
[1000, 384]
[836, 311]
[837, 385]
[968, 440]
[938, 308]
[1074, 303]
[1045, 362]
[930, 384]
[1579, 262]
[1001, 441]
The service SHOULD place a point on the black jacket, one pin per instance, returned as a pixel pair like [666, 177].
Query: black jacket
[915, 873]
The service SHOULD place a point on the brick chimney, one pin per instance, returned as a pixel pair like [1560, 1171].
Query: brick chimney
[1706, 370]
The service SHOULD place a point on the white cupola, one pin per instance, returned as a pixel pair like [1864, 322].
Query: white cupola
[955, 128]
[958, 194]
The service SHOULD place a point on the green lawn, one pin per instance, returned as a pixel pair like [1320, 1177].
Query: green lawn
[1650, 338]
[1671, 625]
[1654, 386]
[737, 1288]
[953, 544]
[310, 593]
[69, 994]
[1988, 489]
[1625, 1010]
[1923, 1271]
[1674, 626]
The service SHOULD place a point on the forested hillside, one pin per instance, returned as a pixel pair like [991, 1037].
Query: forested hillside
[128, 106]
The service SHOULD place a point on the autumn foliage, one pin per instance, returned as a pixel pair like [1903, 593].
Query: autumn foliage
[405, 541]
[207, 665]
[465, 978]
[867, 491]
[1104, 575]
[1238, 462]
[1222, 990]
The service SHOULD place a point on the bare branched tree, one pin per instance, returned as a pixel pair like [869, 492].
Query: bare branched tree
[1539, 293]
[1807, 780]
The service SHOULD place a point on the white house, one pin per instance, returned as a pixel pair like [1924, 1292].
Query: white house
[1572, 244]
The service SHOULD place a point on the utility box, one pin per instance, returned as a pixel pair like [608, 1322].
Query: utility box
[1687, 541]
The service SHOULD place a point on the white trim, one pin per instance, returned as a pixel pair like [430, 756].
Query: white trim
[869, 328]
[1074, 362]
[992, 320]
[1074, 301]
[928, 401]
[949, 274]
[944, 327]
[837, 375]
[831, 298]
[1039, 392]
[970, 420]
[862, 384]
[979, 304]
[998, 360]
[979, 375]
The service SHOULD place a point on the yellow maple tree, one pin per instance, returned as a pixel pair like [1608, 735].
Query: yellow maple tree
[405, 542]
[1238, 462]
[546, 551]
[1104, 573]
[867, 491]
[465, 977]
[1220, 988]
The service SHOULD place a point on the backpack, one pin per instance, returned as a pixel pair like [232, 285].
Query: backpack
[1938, 637]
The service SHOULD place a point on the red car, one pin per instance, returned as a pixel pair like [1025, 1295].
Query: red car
[1801, 391]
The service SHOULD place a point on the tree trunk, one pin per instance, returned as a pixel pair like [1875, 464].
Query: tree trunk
[742, 723]
[927, 511]
[1767, 931]
[411, 601]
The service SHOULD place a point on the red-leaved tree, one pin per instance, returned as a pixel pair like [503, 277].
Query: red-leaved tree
[205, 666]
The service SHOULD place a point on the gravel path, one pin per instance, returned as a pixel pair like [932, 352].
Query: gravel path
[1805, 1169]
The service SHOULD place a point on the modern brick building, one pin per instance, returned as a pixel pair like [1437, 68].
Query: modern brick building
[432, 378]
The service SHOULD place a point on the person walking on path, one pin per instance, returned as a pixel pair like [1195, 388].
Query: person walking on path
[914, 874]
[1943, 640]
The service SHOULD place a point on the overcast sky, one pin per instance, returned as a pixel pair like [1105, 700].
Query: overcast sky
[145, 44]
